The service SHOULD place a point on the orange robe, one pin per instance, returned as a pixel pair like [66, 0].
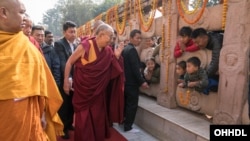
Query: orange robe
[27, 91]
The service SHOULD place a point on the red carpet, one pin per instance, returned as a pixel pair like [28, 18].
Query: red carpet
[115, 136]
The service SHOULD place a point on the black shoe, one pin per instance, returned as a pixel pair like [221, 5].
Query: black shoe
[72, 128]
[66, 135]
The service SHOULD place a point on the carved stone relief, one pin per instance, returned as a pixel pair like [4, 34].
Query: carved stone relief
[232, 60]
[223, 118]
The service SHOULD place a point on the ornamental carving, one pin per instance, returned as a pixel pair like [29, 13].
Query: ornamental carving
[194, 103]
[232, 60]
[223, 118]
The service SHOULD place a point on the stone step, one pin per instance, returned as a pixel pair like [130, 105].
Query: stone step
[140, 136]
[171, 124]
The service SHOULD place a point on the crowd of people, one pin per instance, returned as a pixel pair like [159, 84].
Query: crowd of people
[202, 80]
[51, 87]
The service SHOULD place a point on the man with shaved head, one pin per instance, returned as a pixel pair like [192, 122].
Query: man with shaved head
[95, 25]
[28, 92]
[95, 66]
[27, 31]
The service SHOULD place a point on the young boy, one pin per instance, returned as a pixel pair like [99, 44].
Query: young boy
[196, 77]
[181, 70]
[185, 42]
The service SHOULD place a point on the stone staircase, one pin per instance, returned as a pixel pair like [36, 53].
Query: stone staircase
[171, 124]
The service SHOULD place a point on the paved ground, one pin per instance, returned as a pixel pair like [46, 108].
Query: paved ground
[141, 136]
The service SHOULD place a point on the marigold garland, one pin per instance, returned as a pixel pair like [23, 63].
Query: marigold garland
[163, 42]
[224, 14]
[197, 18]
[120, 26]
[83, 30]
[147, 24]
[88, 28]
[135, 5]
[99, 17]
[168, 41]
[163, 32]
[189, 12]
[108, 13]
[184, 101]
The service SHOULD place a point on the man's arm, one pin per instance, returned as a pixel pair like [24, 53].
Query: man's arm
[72, 59]
[59, 49]
[177, 51]
[156, 50]
[203, 82]
[214, 64]
[135, 66]
[55, 65]
[192, 48]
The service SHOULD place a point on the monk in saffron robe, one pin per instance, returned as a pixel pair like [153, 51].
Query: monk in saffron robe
[96, 66]
[29, 98]
[27, 31]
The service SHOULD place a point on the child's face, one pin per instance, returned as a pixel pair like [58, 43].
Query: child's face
[149, 42]
[150, 65]
[191, 68]
[180, 70]
[184, 39]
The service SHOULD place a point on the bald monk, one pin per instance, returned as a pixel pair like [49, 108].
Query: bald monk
[95, 25]
[95, 66]
[27, 31]
[29, 98]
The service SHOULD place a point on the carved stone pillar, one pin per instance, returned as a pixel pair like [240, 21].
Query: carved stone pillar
[233, 66]
[166, 97]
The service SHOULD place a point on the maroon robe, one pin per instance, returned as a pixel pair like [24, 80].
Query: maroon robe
[91, 83]
[34, 42]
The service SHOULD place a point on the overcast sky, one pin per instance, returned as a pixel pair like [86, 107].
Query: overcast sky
[36, 8]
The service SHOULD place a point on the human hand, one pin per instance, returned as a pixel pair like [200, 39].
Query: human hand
[66, 85]
[145, 85]
[191, 84]
[181, 85]
[182, 45]
[180, 81]
[119, 50]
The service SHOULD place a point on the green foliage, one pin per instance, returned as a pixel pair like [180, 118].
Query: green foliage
[79, 11]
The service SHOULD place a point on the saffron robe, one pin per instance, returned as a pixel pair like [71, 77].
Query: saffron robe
[94, 75]
[28, 89]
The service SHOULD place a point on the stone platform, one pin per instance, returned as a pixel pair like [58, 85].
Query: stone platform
[171, 124]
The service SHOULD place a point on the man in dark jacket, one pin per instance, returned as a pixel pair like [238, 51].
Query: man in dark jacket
[49, 53]
[133, 80]
[211, 41]
[64, 48]
[49, 38]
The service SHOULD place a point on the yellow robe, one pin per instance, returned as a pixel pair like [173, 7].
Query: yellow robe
[27, 87]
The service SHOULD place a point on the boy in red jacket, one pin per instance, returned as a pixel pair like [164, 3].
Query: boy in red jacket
[185, 43]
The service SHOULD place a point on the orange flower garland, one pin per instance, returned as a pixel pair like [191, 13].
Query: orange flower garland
[135, 5]
[163, 42]
[168, 40]
[163, 32]
[224, 14]
[99, 17]
[88, 28]
[197, 18]
[147, 24]
[184, 101]
[108, 15]
[120, 26]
